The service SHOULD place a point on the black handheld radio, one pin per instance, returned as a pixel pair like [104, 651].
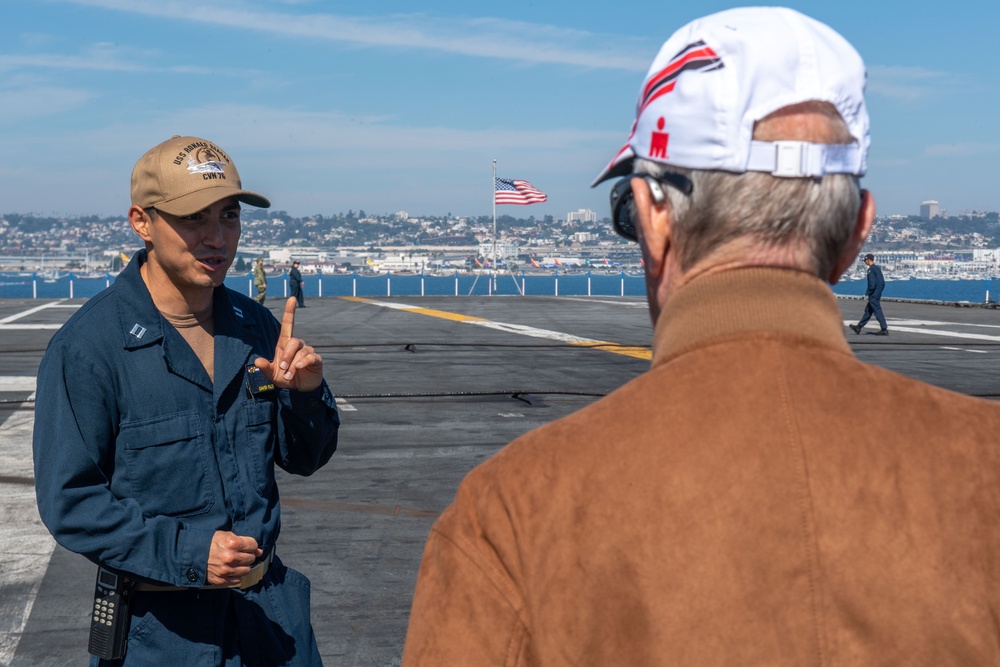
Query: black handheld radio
[109, 622]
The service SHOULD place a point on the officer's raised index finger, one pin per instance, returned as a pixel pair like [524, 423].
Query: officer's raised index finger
[288, 319]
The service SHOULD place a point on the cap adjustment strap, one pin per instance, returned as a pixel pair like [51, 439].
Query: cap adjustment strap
[801, 159]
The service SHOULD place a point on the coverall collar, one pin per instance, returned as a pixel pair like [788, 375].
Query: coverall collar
[142, 325]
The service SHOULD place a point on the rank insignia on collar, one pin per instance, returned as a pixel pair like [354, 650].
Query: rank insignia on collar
[238, 311]
[257, 383]
[138, 331]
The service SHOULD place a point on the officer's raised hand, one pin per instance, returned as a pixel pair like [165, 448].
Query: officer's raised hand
[295, 365]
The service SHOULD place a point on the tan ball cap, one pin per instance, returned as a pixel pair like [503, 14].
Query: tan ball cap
[184, 175]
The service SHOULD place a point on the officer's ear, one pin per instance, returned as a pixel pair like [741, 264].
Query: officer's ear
[141, 223]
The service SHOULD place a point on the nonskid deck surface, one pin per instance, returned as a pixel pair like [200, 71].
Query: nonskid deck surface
[428, 387]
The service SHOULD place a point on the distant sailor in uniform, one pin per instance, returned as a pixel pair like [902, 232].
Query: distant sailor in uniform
[876, 283]
[295, 282]
[260, 280]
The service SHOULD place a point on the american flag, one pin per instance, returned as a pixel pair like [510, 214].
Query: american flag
[509, 191]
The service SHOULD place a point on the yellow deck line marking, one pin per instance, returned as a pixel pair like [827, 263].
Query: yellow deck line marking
[628, 351]
[430, 312]
[534, 332]
[445, 315]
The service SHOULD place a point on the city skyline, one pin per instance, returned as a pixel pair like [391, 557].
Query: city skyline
[327, 110]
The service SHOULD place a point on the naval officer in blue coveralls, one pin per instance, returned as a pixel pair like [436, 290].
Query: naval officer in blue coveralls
[876, 283]
[163, 406]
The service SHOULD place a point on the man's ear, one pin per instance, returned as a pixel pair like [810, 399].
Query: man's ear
[653, 224]
[141, 223]
[862, 227]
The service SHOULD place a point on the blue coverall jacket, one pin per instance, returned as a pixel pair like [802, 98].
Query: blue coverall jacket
[140, 458]
[876, 283]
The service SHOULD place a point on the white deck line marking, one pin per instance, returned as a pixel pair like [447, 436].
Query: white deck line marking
[25, 545]
[28, 327]
[395, 306]
[537, 333]
[30, 311]
[963, 349]
[935, 323]
[6, 326]
[947, 334]
[627, 304]
[344, 406]
[894, 325]
[17, 383]
[501, 326]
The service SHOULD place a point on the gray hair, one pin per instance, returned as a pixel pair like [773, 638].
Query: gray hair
[814, 214]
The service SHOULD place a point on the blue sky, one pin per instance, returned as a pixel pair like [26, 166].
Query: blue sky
[387, 106]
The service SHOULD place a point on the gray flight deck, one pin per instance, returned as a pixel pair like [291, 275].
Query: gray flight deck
[428, 388]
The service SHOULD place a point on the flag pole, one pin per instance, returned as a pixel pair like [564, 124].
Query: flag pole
[494, 265]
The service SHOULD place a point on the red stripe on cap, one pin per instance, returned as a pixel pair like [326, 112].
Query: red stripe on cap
[674, 65]
[660, 93]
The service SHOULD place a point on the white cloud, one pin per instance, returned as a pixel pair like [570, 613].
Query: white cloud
[312, 161]
[37, 39]
[40, 101]
[909, 84]
[104, 57]
[337, 139]
[487, 37]
[962, 149]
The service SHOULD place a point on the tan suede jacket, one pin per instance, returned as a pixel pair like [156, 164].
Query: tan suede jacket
[759, 497]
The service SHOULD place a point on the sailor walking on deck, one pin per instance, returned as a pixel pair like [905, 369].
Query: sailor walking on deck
[295, 281]
[876, 283]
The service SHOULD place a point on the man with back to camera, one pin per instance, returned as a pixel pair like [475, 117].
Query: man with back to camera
[295, 281]
[876, 283]
[722, 508]
[167, 401]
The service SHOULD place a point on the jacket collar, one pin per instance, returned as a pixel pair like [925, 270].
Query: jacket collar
[140, 321]
[762, 299]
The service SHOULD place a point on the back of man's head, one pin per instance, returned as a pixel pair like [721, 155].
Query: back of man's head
[763, 111]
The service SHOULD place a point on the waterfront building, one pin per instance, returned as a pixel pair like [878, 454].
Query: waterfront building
[987, 256]
[505, 248]
[581, 215]
[402, 262]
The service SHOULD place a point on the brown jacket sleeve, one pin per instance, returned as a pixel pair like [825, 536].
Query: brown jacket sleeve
[466, 610]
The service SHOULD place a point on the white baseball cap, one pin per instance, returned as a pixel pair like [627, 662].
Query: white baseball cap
[718, 75]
